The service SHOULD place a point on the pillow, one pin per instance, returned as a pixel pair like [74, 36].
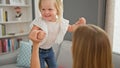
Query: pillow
[24, 56]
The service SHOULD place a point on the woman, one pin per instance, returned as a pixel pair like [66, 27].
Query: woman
[90, 48]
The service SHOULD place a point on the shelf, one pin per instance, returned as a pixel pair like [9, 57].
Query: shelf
[16, 35]
[9, 5]
[13, 26]
[13, 22]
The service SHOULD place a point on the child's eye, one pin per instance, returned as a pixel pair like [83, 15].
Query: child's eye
[49, 9]
[42, 9]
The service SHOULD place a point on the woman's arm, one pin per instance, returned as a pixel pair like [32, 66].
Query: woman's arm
[35, 62]
[81, 21]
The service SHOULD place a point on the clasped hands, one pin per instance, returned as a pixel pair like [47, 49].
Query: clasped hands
[37, 36]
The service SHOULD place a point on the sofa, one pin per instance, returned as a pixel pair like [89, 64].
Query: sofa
[9, 60]
[62, 52]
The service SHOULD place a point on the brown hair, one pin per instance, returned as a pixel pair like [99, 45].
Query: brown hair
[59, 7]
[91, 48]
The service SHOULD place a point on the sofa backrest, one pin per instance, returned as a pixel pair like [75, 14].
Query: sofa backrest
[64, 59]
[116, 60]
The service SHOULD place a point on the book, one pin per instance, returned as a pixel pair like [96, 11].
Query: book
[12, 44]
[0, 30]
[2, 1]
[16, 44]
[9, 45]
[0, 46]
[7, 1]
[11, 2]
[6, 16]
[4, 44]
[17, 2]
[1, 15]
[3, 30]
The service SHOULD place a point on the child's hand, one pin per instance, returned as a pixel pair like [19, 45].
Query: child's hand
[41, 35]
[81, 21]
[33, 36]
[73, 27]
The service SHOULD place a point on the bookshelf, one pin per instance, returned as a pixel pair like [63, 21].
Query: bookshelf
[15, 18]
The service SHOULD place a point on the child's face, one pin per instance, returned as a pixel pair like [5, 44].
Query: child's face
[48, 10]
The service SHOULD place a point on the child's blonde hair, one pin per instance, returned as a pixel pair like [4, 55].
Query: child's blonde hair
[59, 7]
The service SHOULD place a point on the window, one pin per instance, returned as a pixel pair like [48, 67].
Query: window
[116, 34]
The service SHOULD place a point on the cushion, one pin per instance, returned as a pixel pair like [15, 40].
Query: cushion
[24, 56]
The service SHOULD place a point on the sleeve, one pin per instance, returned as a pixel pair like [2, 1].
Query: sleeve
[34, 22]
[66, 24]
[40, 23]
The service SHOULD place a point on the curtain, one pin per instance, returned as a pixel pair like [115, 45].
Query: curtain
[109, 20]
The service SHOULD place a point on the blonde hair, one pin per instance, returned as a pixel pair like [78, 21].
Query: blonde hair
[59, 7]
[91, 48]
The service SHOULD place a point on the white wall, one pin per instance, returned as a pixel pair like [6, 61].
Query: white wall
[37, 12]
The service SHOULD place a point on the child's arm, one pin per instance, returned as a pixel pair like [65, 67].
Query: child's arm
[81, 21]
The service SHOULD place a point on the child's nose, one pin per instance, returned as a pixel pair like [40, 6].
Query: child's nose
[46, 11]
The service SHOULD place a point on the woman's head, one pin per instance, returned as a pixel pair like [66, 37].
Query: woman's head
[51, 9]
[91, 48]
